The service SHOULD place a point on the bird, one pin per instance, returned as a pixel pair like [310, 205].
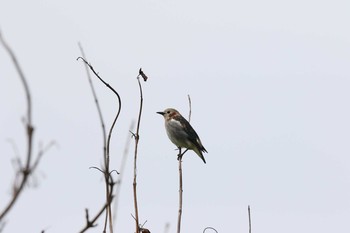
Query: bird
[181, 133]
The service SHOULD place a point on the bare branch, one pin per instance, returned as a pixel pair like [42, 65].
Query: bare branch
[101, 122]
[25, 171]
[179, 157]
[97, 168]
[24, 82]
[250, 222]
[143, 75]
[137, 138]
[107, 176]
[119, 103]
[190, 106]
[180, 193]
[92, 223]
[88, 222]
[96, 101]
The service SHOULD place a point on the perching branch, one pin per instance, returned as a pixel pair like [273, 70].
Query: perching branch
[137, 138]
[180, 192]
[27, 170]
[109, 183]
[180, 173]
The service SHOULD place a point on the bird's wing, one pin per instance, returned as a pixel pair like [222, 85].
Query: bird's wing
[192, 135]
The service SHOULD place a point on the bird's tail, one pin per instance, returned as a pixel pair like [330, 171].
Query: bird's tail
[200, 154]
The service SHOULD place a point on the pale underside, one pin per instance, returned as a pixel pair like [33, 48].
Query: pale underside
[179, 137]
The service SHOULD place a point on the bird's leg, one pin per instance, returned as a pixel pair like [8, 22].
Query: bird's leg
[179, 156]
[184, 152]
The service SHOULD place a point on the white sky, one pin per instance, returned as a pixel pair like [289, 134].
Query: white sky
[269, 82]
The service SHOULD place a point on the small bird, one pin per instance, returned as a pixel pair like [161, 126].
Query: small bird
[181, 133]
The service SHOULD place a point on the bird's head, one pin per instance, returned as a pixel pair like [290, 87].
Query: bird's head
[169, 113]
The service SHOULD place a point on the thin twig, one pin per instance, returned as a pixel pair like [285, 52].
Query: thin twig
[112, 89]
[27, 170]
[190, 106]
[179, 217]
[137, 138]
[88, 222]
[108, 178]
[180, 194]
[92, 223]
[102, 126]
[142, 229]
[250, 222]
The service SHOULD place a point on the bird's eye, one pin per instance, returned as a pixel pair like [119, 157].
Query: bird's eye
[168, 112]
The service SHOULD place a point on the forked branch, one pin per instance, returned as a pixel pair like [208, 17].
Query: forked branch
[109, 183]
[28, 168]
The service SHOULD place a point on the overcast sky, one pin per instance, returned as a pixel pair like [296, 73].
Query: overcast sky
[269, 83]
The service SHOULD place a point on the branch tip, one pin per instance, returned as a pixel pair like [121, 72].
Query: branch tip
[143, 75]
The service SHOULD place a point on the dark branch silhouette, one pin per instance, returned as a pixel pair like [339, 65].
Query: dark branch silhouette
[92, 223]
[250, 221]
[101, 121]
[23, 172]
[103, 127]
[137, 138]
[109, 183]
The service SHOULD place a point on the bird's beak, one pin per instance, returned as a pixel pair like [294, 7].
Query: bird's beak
[161, 113]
